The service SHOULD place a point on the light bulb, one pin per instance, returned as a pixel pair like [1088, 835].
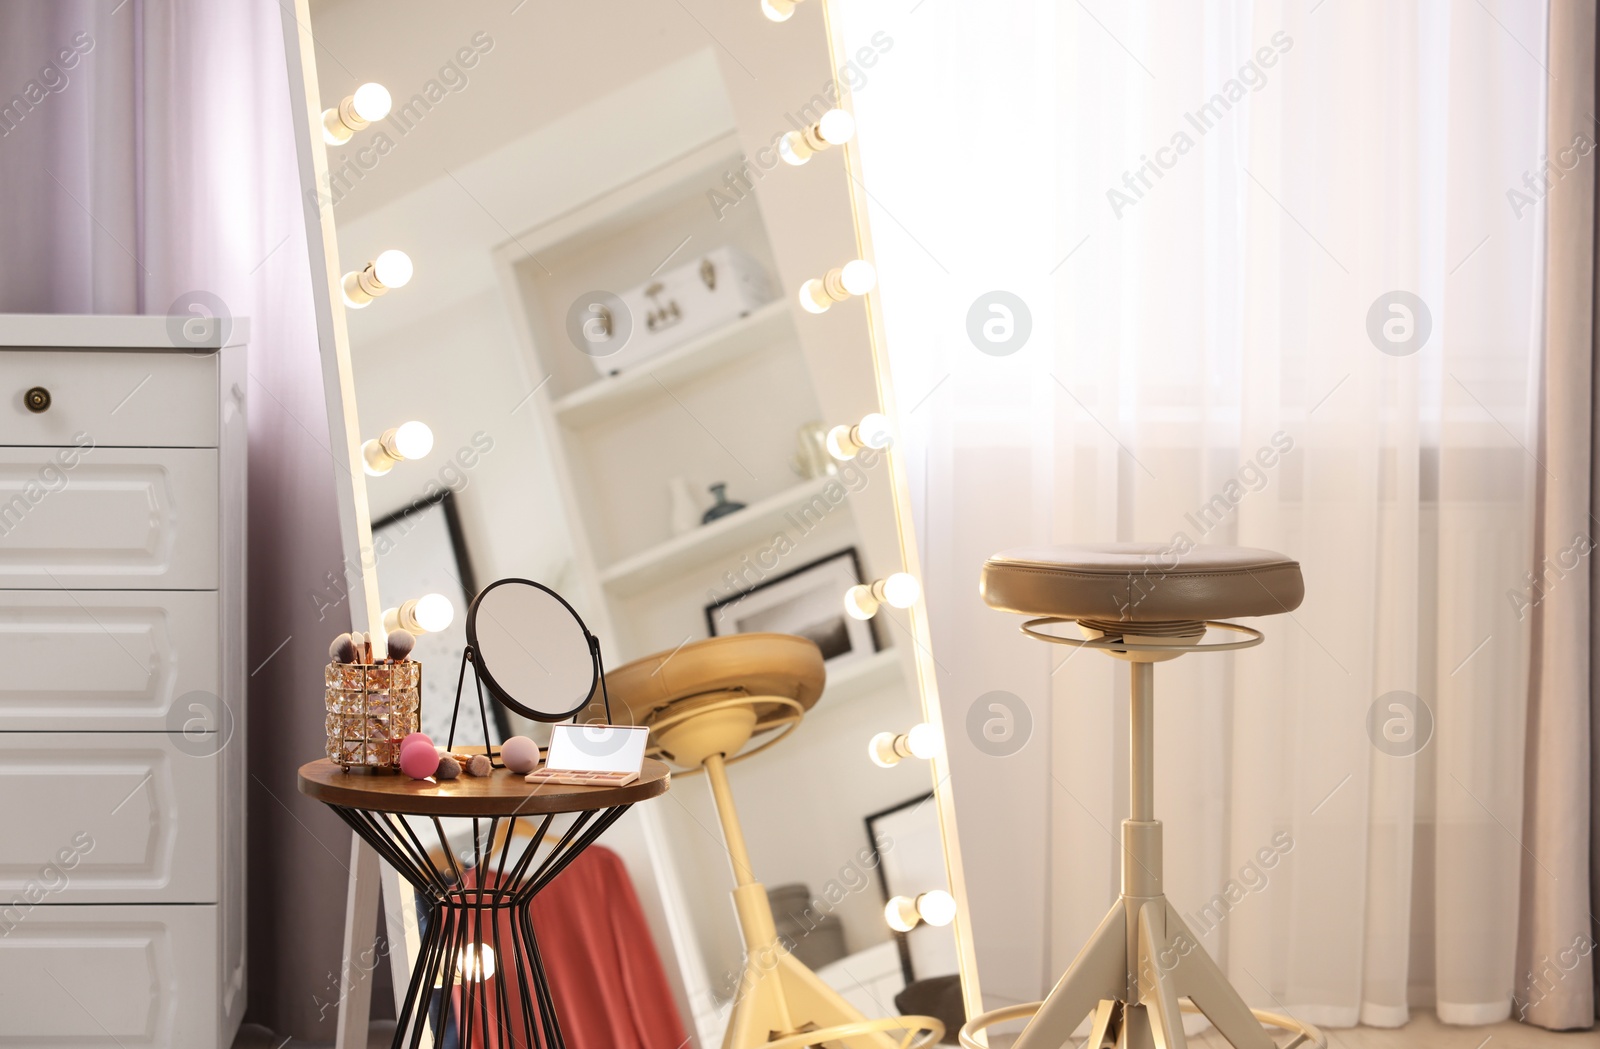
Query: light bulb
[413, 440]
[475, 962]
[428, 614]
[858, 277]
[937, 908]
[873, 431]
[392, 268]
[434, 613]
[836, 127]
[882, 751]
[923, 741]
[814, 297]
[901, 914]
[902, 590]
[778, 10]
[371, 102]
[859, 603]
[339, 124]
[793, 149]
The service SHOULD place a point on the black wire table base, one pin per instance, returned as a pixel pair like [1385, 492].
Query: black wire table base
[478, 981]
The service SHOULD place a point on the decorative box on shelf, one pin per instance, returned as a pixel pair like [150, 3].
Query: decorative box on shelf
[688, 300]
[371, 707]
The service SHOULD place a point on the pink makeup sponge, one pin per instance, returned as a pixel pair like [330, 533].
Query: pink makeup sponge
[418, 762]
[520, 754]
[413, 739]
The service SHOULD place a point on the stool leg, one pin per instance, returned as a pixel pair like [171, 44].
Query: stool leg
[1199, 979]
[1158, 990]
[1100, 971]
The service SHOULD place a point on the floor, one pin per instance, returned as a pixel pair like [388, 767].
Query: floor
[1423, 1032]
[252, 1036]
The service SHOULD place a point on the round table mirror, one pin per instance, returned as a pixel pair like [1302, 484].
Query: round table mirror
[532, 651]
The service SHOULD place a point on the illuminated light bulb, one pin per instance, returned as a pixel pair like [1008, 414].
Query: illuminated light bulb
[859, 602]
[901, 914]
[901, 590]
[370, 102]
[921, 741]
[411, 440]
[391, 269]
[428, 614]
[475, 962]
[856, 277]
[873, 431]
[936, 908]
[836, 127]
[778, 10]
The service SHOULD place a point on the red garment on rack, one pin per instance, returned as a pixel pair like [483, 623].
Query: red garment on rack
[605, 975]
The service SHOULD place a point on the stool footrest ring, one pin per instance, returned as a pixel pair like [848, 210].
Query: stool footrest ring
[1304, 1033]
[933, 1027]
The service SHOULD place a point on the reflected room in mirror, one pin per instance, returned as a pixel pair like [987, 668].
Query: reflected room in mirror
[606, 254]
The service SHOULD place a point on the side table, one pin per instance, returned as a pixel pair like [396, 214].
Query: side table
[490, 983]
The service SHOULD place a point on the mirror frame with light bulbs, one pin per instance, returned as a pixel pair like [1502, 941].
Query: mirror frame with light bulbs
[829, 281]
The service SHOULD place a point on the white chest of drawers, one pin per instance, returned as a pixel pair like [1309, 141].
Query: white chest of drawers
[122, 750]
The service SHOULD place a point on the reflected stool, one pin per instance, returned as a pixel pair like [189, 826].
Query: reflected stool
[1144, 603]
[709, 704]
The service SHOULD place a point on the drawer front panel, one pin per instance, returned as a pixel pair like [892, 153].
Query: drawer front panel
[109, 660]
[118, 398]
[108, 518]
[108, 977]
[109, 818]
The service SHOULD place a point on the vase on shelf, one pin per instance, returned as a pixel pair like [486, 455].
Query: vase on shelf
[723, 506]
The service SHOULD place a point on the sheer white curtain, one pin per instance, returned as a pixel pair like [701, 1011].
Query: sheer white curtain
[1207, 209]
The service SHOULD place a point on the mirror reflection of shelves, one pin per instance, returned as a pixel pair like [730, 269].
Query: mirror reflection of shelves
[724, 405]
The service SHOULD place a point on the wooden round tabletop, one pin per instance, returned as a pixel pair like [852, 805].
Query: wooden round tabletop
[501, 793]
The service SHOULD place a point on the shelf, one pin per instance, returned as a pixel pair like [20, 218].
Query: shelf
[606, 396]
[721, 537]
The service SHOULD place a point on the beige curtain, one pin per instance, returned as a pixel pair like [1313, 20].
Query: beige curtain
[1555, 952]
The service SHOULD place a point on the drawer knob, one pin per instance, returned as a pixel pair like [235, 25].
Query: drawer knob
[37, 400]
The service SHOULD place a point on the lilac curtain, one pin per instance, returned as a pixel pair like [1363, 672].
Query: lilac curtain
[147, 163]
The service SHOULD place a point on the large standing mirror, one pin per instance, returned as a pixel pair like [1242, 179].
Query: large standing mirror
[573, 242]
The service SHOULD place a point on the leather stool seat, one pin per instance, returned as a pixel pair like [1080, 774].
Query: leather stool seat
[1142, 583]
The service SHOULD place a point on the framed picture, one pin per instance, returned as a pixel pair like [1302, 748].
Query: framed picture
[905, 842]
[808, 601]
[420, 549]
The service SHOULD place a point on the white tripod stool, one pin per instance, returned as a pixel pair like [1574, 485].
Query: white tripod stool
[704, 703]
[1143, 603]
